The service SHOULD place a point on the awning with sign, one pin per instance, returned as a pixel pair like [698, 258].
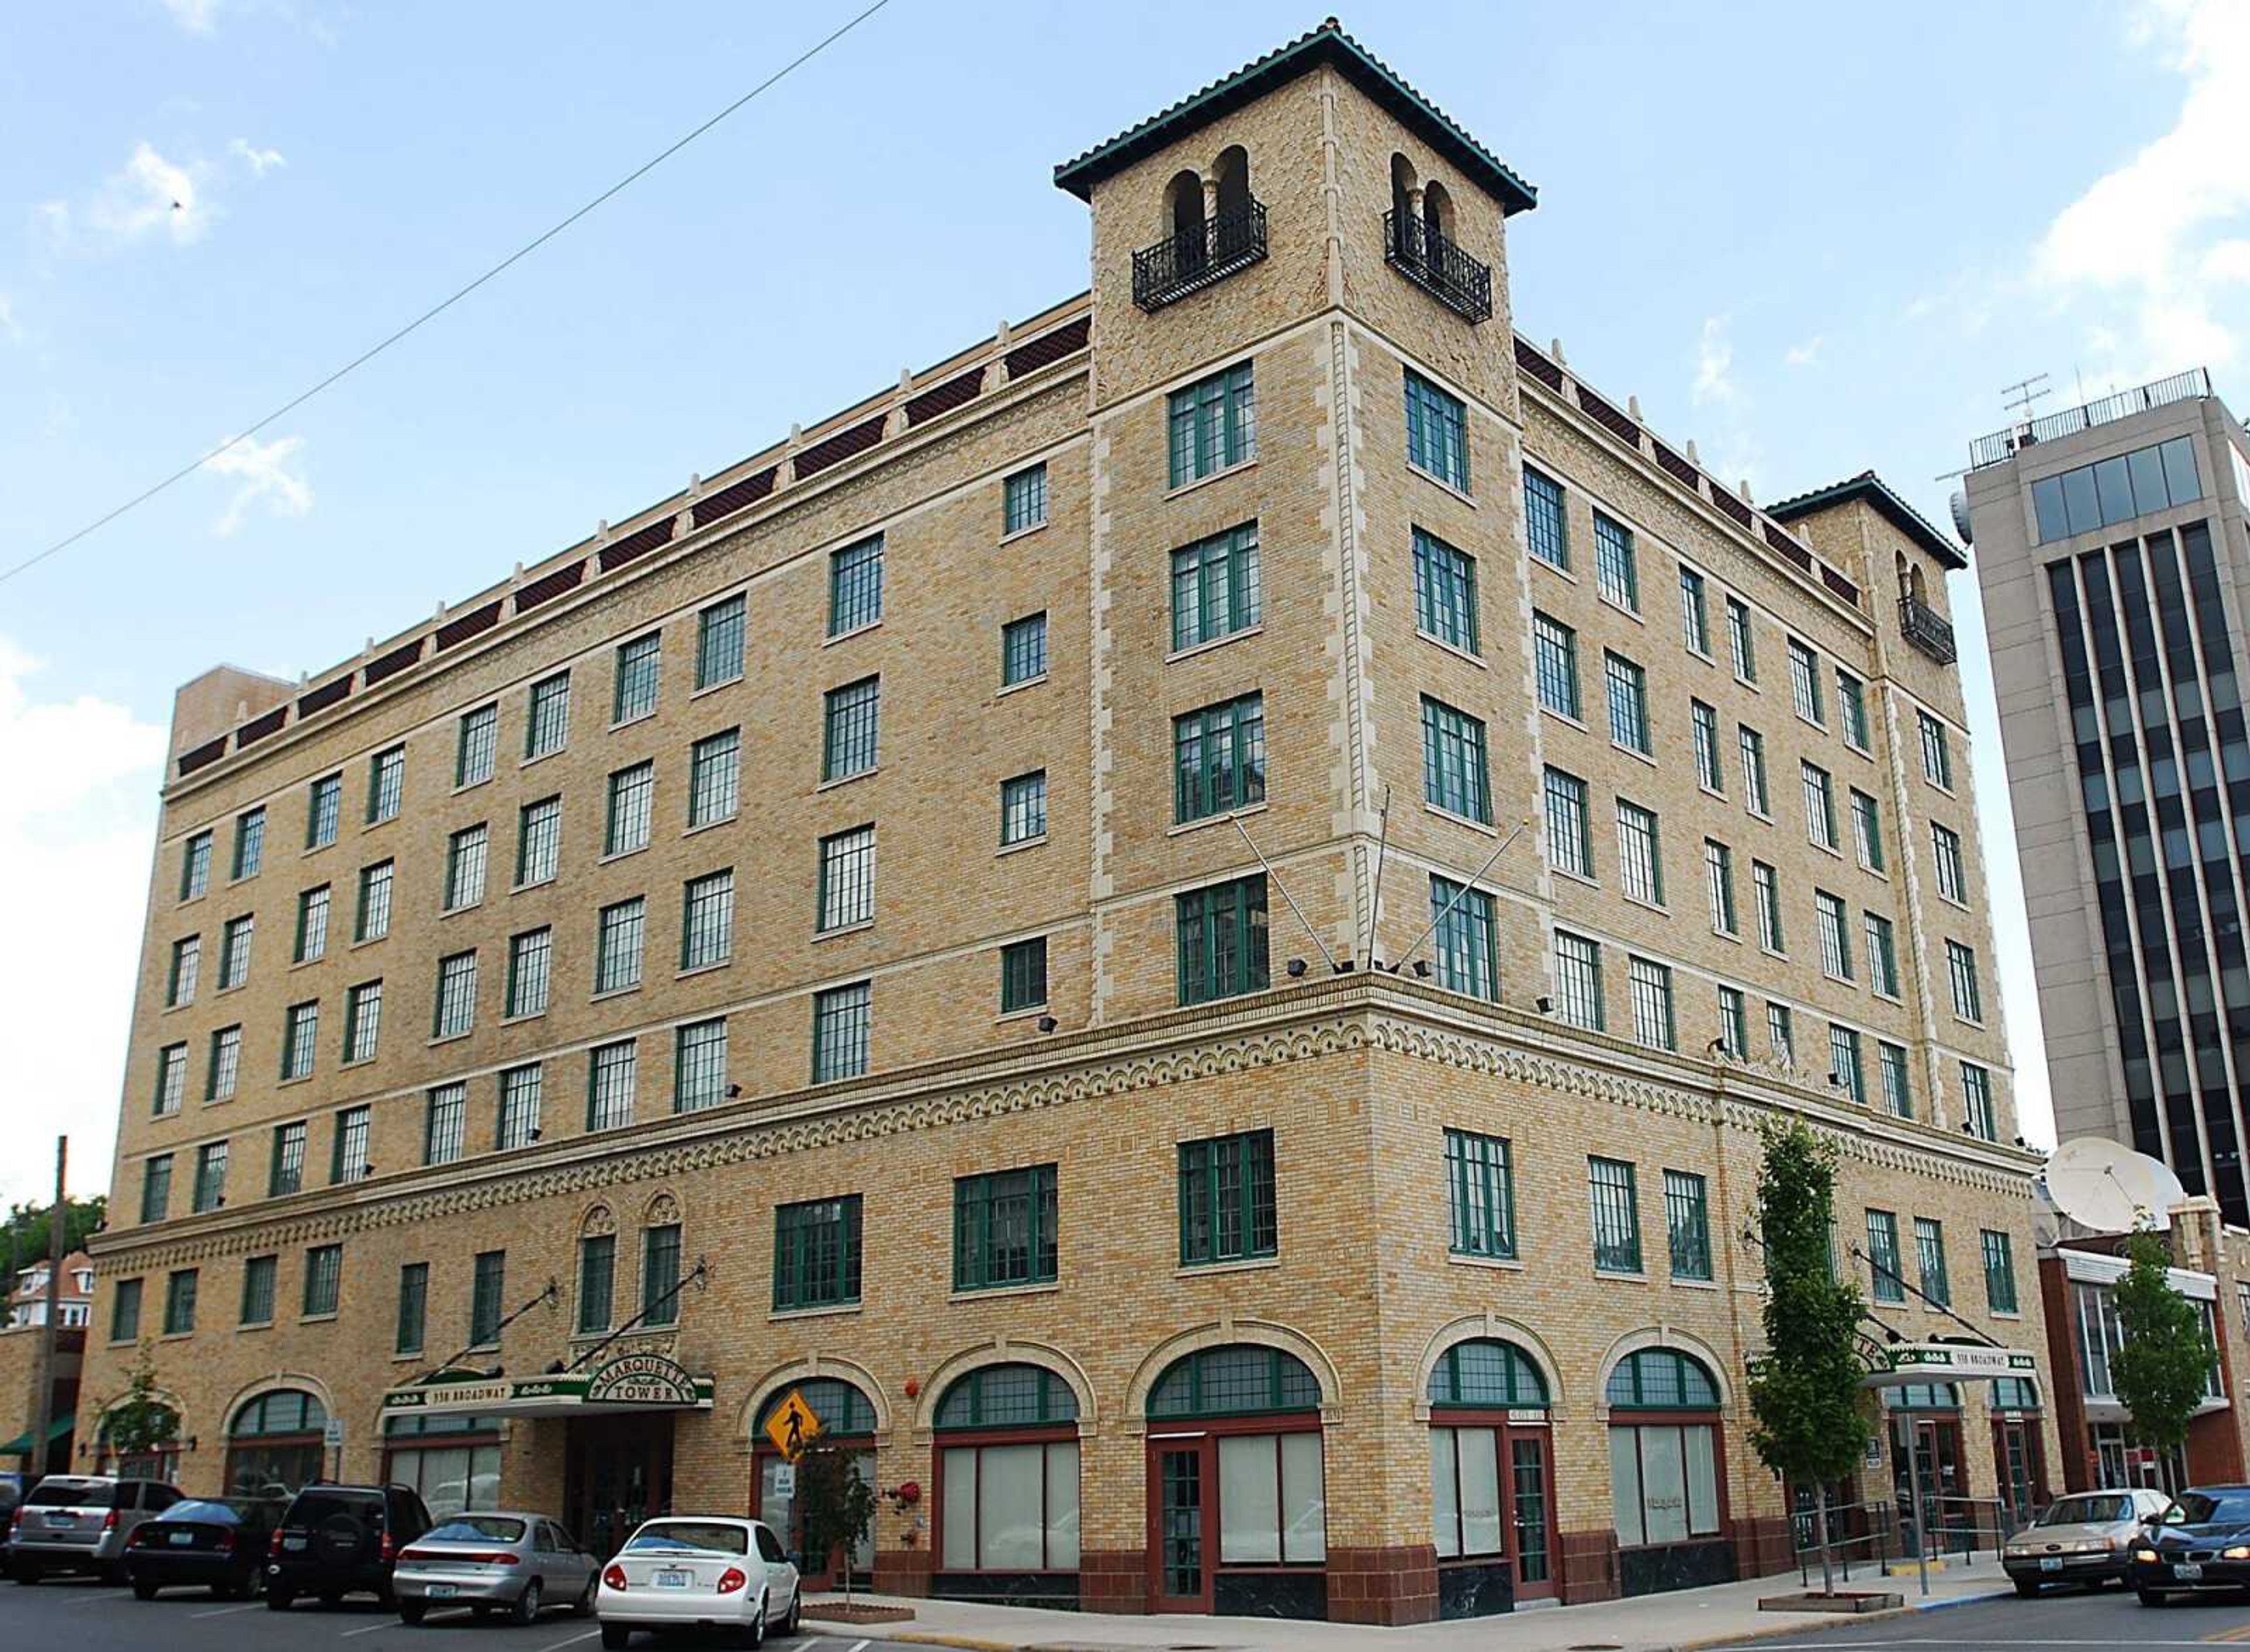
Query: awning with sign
[629, 1382]
[1946, 1361]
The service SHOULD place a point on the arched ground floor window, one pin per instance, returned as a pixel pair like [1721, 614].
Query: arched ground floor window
[1238, 1500]
[847, 1422]
[2019, 1457]
[452, 1461]
[1492, 1497]
[275, 1444]
[1006, 1487]
[1667, 1473]
[162, 1463]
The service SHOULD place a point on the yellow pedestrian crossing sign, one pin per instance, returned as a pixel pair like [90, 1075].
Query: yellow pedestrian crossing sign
[792, 1426]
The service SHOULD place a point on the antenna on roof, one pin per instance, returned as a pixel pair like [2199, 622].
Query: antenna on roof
[2019, 397]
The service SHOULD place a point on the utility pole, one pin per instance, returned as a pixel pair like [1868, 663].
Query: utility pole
[42, 1399]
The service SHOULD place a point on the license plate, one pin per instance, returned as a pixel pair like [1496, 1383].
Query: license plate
[441, 1590]
[2187, 1571]
[2051, 1563]
[674, 1577]
[295, 1543]
[180, 1540]
[62, 1519]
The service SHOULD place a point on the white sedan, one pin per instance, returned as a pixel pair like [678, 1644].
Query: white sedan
[699, 1572]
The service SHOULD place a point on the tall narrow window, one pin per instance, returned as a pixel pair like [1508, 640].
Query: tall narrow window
[386, 784]
[1961, 975]
[1222, 940]
[195, 866]
[1687, 1223]
[659, 1274]
[180, 1302]
[1703, 724]
[520, 1099]
[1023, 809]
[1945, 850]
[1617, 568]
[719, 630]
[1653, 1024]
[1805, 683]
[445, 1133]
[413, 1307]
[855, 586]
[1480, 1196]
[597, 1272]
[846, 895]
[187, 964]
[372, 922]
[456, 995]
[1570, 834]
[1883, 955]
[1215, 587]
[1765, 886]
[1444, 592]
[1453, 775]
[1616, 1216]
[476, 745]
[1218, 759]
[639, 674]
[1898, 1085]
[699, 1068]
[1851, 709]
[1024, 501]
[1546, 526]
[849, 729]
[1835, 940]
[617, 945]
[612, 1073]
[1227, 1210]
[487, 1291]
[1755, 797]
[1578, 981]
[464, 866]
[626, 826]
[1640, 857]
[225, 1070]
[1003, 1228]
[706, 928]
[843, 1019]
[311, 925]
[249, 844]
[1719, 883]
[1867, 830]
[1930, 1259]
[547, 721]
[348, 1160]
[1846, 1068]
[715, 778]
[1976, 1102]
[285, 1171]
[1883, 1265]
[257, 1290]
[1024, 650]
[1212, 425]
[1024, 975]
[125, 1311]
[530, 957]
[1694, 612]
[1628, 695]
[362, 1020]
[300, 1032]
[1554, 664]
[1734, 1024]
[1741, 642]
[1437, 432]
[1461, 941]
[1819, 805]
[171, 1079]
[323, 811]
[1781, 1033]
[209, 1192]
[156, 1186]
[1999, 1271]
[234, 951]
[538, 842]
[1936, 752]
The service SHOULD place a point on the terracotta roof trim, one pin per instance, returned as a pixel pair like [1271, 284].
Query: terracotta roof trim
[1870, 489]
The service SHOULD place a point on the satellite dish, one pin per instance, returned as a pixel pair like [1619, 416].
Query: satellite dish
[1960, 504]
[2106, 1185]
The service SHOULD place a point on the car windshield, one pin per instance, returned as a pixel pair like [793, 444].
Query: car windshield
[681, 1535]
[211, 1513]
[2210, 1508]
[72, 1494]
[477, 1528]
[2086, 1511]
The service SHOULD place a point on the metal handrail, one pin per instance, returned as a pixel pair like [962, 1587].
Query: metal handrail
[1880, 1521]
[1928, 629]
[2002, 445]
[1195, 258]
[1419, 250]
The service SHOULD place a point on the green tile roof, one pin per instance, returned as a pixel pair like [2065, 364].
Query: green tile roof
[1870, 489]
[1328, 45]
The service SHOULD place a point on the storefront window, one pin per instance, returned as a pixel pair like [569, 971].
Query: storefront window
[1664, 1470]
[452, 1461]
[1008, 1472]
[274, 1446]
[1489, 1466]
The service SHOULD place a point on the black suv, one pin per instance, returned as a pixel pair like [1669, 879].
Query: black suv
[335, 1540]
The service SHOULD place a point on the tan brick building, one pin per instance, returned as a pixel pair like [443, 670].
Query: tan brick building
[1184, 921]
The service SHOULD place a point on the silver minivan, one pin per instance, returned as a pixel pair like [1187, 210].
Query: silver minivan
[81, 1522]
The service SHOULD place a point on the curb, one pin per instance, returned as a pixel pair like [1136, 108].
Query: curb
[929, 1637]
[1835, 1620]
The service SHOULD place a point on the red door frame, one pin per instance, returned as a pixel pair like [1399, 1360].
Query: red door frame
[1509, 1432]
[2035, 1454]
[959, 1439]
[1202, 1434]
[1626, 1417]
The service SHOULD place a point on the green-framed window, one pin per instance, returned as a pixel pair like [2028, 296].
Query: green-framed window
[1703, 727]
[1661, 1379]
[1023, 974]
[300, 1032]
[234, 951]
[362, 1020]
[1868, 830]
[1952, 873]
[613, 1075]
[1640, 852]
[1937, 751]
[1212, 424]
[1694, 611]
[180, 1302]
[1007, 1396]
[1687, 1224]
[843, 1027]
[1454, 777]
[125, 1311]
[699, 1065]
[1444, 592]
[386, 784]
[1486, 1375]
[466, 853]
[1626, 684]
[855, 585]
[626, 818]
[324, 1274]
[348, 1148]
[225, 1067]
[1241, 1380]
[849, 724]
[1227, 1211]
[258, 1283]
[1719, 885]
[1462, 943]
[1734, 1022]
[1976, 1102]
[156, 1186]
[1617, 564]
[715, 785]
[1437, 432]
[1883, 955]
[521, 1092]
[311, 925]
[846, 892]
[1961, 976]
[1578, 982]
[720, 632]
[1222, 940]
[547, 720]
[445, 1125]
[619, 932]
[1648, 984]
[324, 808]
[706, 925]
[476, 747]
[1883, 1264]
[1216, 587]
[1930, 1259]
[249, 844]
[1897, 1081]
[659, 1274]
[1003, 1228]
[171, 1079]
[1546, 524]
[817, 1254]
[538, 842]
[1218, 758]
[1851, 709]
[195, 866]
[1569, 832]
[1742, 639]
[371, 920]
[1023, 809]
[412, 1321]
[1999, 1271]
[1480, 1196]
[1024, 650]
[639, 674]
[1847, 1069]
[1615, 1201]
[285, 1171]
[1024, 499]
[487, 1291]
[597, 1282]
[1805, 683]
[1554, 664]
[456, 995]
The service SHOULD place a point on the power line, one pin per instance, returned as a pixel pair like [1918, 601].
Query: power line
[447, 303]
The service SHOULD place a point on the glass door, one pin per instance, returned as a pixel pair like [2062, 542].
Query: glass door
[1534, 1571]
[1179, 1474]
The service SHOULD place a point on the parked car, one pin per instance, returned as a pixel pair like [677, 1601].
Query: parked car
[12, 1487]
[680, 1572]
[518, 1563]
[335, 1540]
[2202, 1541]
[81, 1522]
[2086, 1537]
[217, 1542]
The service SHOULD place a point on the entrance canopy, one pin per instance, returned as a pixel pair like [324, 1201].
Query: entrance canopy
[1930, 1362]
[630, 1383]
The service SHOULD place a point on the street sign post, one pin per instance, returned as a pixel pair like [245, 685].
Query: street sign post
[332, 1437]
[792, 1426]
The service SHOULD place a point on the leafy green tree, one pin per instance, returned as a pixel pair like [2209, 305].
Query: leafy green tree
[1810, 1424]
[23, 1240]
[2165, 1360]
[141, 1424]
[835, 1506]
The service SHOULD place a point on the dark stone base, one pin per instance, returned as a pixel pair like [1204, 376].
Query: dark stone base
[1269, 1594]
[1766, 1546]
[1113, 1580]
[1675, 1566]
[902, 1572]
[1476, 1590]
[1057, 1591]
[1849, 1604]
[1388, 1587]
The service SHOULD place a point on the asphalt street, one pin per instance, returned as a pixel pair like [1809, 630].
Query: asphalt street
[63, 1612]
[2110, 1618]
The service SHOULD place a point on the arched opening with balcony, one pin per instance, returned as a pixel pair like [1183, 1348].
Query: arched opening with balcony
[1492, 1498]
[1184, 218]
[1006, 1487]
[1667, 1472]
[274, 1444]
[1237, 1504]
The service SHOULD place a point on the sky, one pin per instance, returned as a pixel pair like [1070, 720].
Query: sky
[1816, 239]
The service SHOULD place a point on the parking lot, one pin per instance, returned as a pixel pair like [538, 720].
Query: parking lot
[83, 1616]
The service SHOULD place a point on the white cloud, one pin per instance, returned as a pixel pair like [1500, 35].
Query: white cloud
[262, 470]
[11, 330]
[261, 161]
[197, 17]
[2154, 233]
[1715, 362]
[73, 872]
[150, 195]
[1804, 354]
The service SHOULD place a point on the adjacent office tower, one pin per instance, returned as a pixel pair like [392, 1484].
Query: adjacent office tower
[2111, 544]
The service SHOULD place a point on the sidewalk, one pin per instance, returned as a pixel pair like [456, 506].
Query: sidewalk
[1680, 1619]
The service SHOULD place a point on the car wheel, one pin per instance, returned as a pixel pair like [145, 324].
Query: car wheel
[584, 1605]
[144, 1591]
[412, 1611]
[527, 1604]
[2028, 1588]
[279, 1599]
[27, 1572]
[794, 1623]
[614, 1636]
[2153, 1597]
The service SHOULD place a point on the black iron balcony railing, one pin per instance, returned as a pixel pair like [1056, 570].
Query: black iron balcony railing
[1927, 630]
[1437, 266]
[1194, 258]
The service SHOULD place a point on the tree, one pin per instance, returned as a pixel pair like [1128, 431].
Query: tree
[2161, 1370]
[835, 1504]
[141, 1424]
[24, 1241]
[1806, 1403]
